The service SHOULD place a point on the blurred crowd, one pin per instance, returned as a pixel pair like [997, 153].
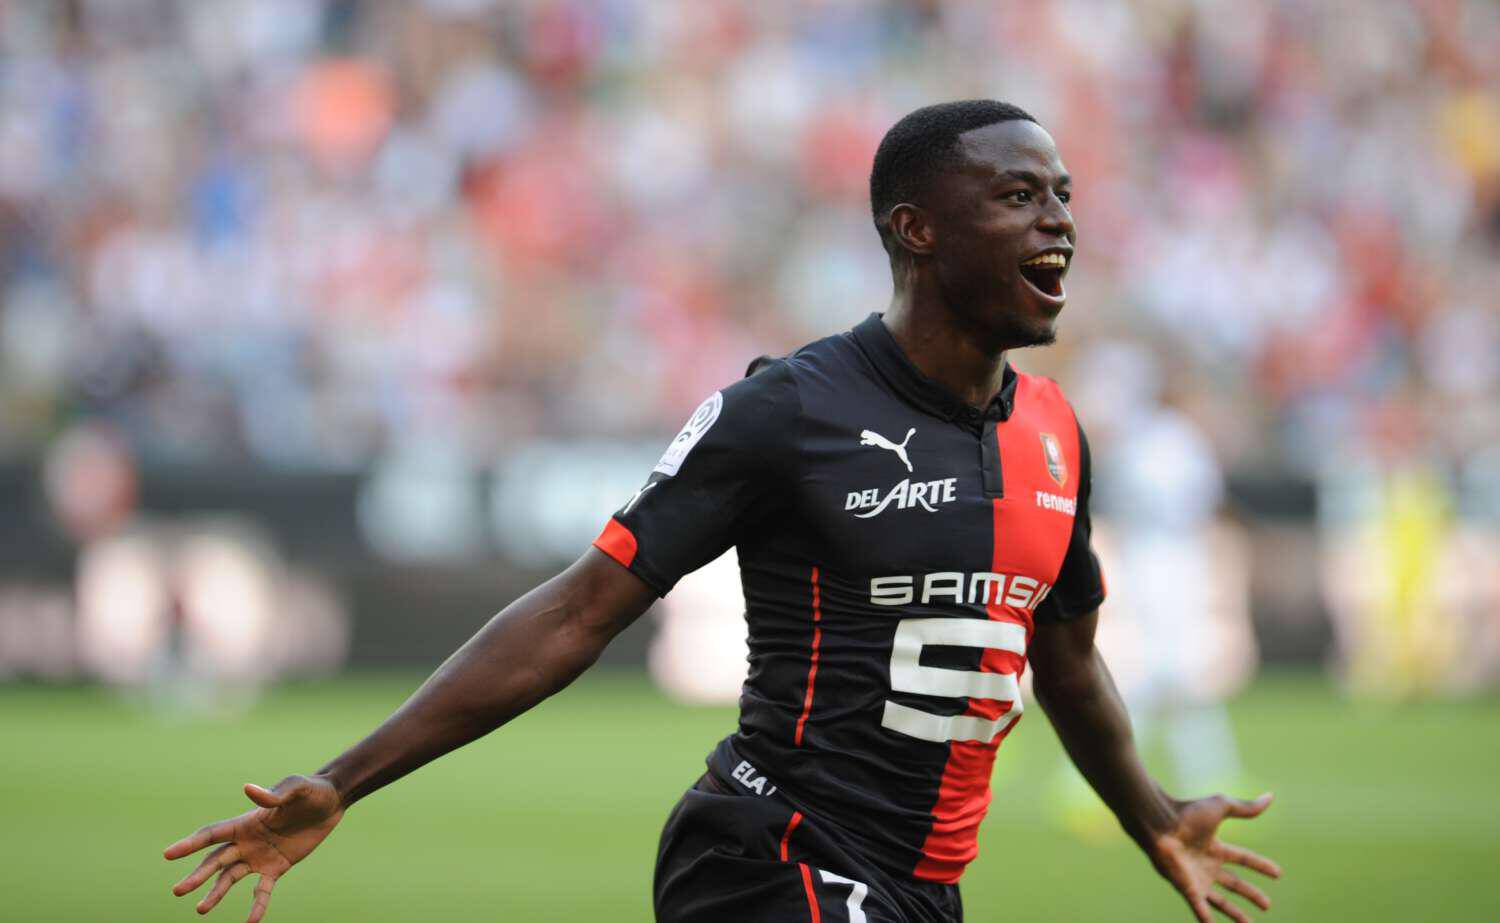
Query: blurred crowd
[439, 241]
[307, 233]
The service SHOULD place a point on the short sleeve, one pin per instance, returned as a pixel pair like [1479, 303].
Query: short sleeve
[718, 478]
[1079, 589]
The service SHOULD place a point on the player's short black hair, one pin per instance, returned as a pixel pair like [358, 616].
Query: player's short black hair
[922, 145]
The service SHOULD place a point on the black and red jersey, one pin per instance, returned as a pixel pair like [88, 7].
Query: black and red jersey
[897, 547]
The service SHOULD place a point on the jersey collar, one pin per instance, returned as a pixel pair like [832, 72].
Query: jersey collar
[907, 380]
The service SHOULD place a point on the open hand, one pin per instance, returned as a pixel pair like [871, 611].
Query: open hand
[1193, 858]
[289, 822]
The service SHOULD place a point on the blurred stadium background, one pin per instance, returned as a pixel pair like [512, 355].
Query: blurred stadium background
[327, 327]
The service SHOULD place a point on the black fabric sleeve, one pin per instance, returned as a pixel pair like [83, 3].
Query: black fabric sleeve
[720, 475]
[1079, 589]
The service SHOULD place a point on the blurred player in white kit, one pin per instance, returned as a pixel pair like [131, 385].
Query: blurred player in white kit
[1176, 626]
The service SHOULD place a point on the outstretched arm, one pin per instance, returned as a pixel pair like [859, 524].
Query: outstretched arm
[536, 646]
[533, 648]
[1180, 837]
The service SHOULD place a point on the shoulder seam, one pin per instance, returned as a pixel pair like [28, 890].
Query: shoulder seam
[771, 366]
[800, 413]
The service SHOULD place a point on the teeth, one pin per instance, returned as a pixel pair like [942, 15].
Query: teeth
[1048, 259]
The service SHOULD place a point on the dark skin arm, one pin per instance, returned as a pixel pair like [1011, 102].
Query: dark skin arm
[536, 646]
[1180, 837]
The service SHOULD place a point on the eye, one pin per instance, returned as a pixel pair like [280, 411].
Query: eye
[1065, 196]
[1019, 196]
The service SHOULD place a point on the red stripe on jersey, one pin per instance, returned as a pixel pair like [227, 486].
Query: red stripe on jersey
[812, 899]
[617, 541]
[786, 837]
[964, 792]
[1036, 538]
[1029, 539]
[812, 669]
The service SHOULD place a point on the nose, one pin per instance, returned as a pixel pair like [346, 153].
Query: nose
[1056, 219]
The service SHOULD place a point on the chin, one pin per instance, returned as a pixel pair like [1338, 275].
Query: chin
[1013, 321]
[1012, 331]
[1044, 334]
[1036, 324]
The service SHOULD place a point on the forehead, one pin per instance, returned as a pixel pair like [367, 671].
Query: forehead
[1014, 145]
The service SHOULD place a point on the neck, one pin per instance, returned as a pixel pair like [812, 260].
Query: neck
[944, 347]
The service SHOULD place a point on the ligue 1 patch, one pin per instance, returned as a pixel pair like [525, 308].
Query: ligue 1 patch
[697, 425]
[1057, 466]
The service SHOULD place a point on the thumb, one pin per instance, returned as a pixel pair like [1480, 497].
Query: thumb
[1240, 808]
[263, 796]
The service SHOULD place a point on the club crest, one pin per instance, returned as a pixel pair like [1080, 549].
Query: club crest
[1057, 466]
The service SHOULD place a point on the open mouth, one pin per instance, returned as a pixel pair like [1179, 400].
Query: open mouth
[1045, 273]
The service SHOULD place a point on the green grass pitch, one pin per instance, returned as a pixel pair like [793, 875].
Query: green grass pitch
[1383, 813]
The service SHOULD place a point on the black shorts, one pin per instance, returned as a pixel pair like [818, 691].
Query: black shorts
[737, 858]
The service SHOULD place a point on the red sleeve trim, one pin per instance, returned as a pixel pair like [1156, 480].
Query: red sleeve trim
[617, 541]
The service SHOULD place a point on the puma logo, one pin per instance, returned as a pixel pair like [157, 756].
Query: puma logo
[870, 437]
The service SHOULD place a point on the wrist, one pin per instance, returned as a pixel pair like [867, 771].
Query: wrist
[341, 780]
[1155, 819]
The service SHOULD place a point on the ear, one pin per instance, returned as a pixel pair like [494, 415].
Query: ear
[911, 226]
